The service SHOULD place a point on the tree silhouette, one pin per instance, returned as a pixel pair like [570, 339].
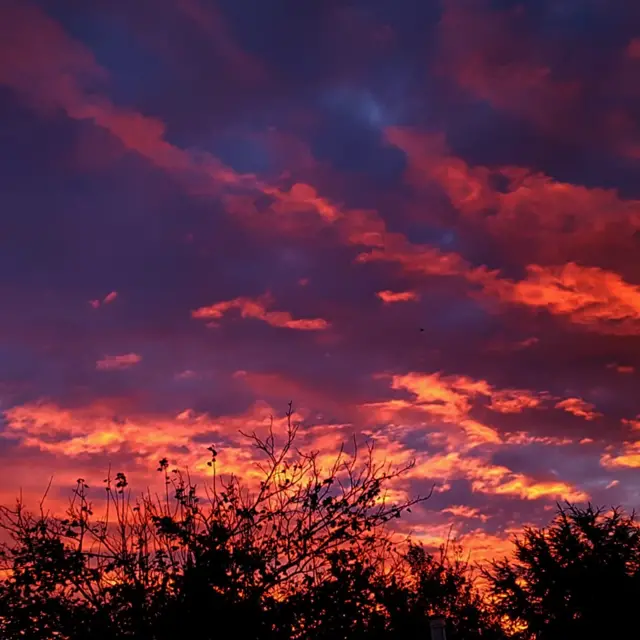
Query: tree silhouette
[578, 578]
[443, 586]
[307, 553]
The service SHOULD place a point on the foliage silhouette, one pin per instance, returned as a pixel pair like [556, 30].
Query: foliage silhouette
[306, 554]
[578, 578]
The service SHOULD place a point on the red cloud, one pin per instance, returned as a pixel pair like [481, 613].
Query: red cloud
[210, 19]
[634, 424]
[492, 55]
[419, 259]
[300, 197]
[527, 209]
[496, 56]
[39, 61]
[621, 368]
[389, 297]
[250, 308]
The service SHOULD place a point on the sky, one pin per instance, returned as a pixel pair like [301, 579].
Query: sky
[417, 221]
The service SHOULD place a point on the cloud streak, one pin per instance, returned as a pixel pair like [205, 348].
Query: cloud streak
[123, 361]
[250, 308]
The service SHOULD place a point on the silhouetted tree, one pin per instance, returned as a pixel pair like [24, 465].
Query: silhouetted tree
[304, 553]
[578, 578]
[444, 586]
[301, 555]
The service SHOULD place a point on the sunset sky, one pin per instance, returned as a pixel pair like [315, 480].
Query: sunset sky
[417, 220]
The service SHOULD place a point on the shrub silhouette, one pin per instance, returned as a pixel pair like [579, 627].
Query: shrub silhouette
[306, 554]
[578, 578]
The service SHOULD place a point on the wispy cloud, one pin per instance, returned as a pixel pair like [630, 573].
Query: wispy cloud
[122, 361]
[389, 297]
[257, 308]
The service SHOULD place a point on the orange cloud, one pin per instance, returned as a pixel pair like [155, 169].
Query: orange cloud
[446, 402]
[250, 308]
[513, 401]
[579, 407]
[462, 511]
[481, 547]
[109, 428]
[108, 432]
[445, 397]
[451, 395]
[389, 297]
[104, 429]
[486, 477]
[627, 458]
[450, 399]
[92, 429]
[524, 438]
[124, 361]
[597, 299]
[482, 474]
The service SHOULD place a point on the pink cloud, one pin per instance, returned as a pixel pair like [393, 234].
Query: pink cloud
[633, 50]
[110, 297]
[124, 361]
